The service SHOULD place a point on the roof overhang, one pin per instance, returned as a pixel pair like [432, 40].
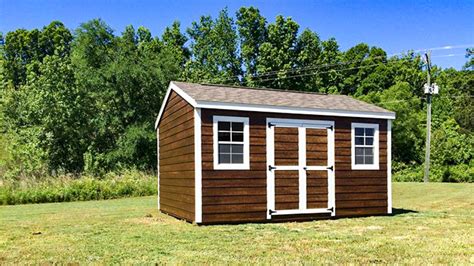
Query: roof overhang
[268, 108]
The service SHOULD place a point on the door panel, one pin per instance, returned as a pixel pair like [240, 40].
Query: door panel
[286, 189]
[316, 147]
[316, 180]
[316, 189]
[286, 146]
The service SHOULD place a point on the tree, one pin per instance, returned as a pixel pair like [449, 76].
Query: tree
[252, 33]
[174, 40]
[278, 53]
[331, 60]
[214, 49]
[309, 51]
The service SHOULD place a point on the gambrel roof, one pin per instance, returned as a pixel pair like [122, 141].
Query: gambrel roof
[271, 100]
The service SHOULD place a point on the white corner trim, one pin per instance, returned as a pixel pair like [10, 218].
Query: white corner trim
[389, 166]
[375, 165]
[292, 110]
[180, 92]
[197, 166]
[158, 165]
[246, 164]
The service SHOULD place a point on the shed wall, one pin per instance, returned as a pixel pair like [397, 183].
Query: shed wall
[176, 158]
[240, 195]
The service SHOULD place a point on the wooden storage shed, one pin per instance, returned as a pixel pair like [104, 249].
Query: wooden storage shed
[232, 154]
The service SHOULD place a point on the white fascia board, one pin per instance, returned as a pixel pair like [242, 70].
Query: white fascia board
[292, 110]
[180, 92]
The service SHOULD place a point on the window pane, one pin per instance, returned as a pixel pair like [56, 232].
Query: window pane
[359, 131]
[237, 158]
[369, 141]
[359, 140]
[224, 136]
[369, 151]
[237, 148]
[369, 132]
[359, 159]
[224, 158]
[369, 160]
[223, 126]
[237, 126]
[359, 151]
[224, 148]
[237, 136]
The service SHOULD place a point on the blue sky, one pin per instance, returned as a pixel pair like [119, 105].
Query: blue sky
[395, 26]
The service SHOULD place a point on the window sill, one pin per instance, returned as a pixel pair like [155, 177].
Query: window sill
[231, 167]
[365, 167]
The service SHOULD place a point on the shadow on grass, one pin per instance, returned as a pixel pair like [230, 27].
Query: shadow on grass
[396, 211]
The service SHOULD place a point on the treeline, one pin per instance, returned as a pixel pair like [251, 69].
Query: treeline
[86, 101]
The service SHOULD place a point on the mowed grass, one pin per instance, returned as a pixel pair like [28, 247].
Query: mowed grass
[435, 226]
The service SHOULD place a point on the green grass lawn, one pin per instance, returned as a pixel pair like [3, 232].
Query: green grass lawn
[439, 230]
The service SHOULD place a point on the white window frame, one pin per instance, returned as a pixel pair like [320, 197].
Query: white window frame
[231, 166]
[375, 165]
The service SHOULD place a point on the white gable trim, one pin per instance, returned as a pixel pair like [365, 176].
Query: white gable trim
[292, 110]
[180, 92]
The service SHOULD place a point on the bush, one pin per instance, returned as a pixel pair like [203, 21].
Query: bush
[438, 173]
[68, 188]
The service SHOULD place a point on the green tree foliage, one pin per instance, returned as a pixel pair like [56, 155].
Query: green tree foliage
[252, 32]
[174, 40]
[86, 102]
[214, 50]
[278, 53]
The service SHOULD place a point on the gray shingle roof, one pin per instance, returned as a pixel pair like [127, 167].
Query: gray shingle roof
[272, 97]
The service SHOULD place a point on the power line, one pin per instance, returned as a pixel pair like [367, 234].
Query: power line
[364, 59]
[448, 55]
[422, 98]
[447, 47]
[321, 72]
[275, 72]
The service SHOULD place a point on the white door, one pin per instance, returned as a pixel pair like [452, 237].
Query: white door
[300, 174]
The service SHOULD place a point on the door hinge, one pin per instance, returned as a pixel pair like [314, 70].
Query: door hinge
[271, 167]
[330, 168]
[271, 125]
[331, 209]
[331, 127]
[270, 212]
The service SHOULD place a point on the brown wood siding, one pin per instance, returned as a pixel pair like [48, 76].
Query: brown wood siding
[176, 159]
[240, 195]
[359, 192]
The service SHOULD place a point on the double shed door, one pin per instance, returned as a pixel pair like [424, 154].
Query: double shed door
[300, 175]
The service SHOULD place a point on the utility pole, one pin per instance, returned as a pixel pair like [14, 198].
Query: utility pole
[429, 91]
